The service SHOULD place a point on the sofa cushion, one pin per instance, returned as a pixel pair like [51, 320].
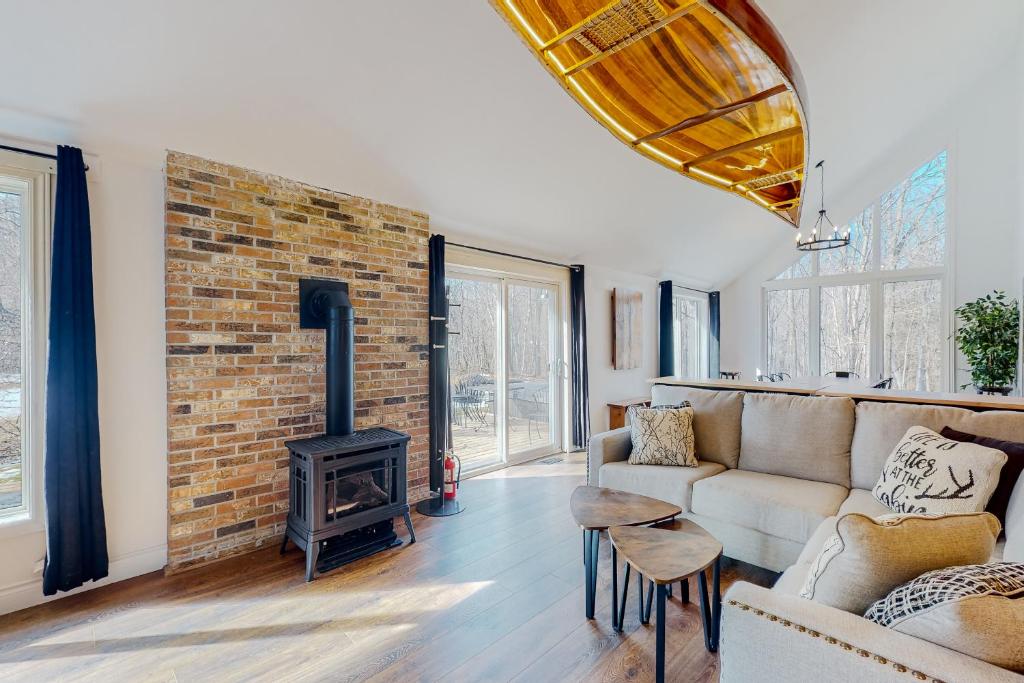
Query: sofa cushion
[792, 580]
[863, 502]
[929, 474]
[866, 558]
[665, 482]
[716, 420]
[798, 436]
[749, 545]
[786, 507]
[881, 425]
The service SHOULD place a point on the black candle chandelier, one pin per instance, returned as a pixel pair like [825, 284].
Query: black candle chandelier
[817, 240]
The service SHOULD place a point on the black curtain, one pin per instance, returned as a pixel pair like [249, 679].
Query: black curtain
[714, 334]
[578, 362]
[666, 347]
[76, 536]
[439, 408]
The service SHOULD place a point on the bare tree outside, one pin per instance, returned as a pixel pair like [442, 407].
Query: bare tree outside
[845, 329]
[688, 347]
[789, 332]
[474, 326]
[908, 229]
[10, 350]
[913, 335]
[913, 218]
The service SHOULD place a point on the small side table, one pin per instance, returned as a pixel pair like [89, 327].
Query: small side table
[596, 509]
[671, 552]
[617, 410]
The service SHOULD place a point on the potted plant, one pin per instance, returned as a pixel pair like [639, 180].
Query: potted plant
[987, 336]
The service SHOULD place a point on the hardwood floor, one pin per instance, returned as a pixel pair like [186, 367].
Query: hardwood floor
[493, 594]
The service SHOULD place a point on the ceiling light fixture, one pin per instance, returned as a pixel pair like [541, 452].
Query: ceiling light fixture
[817, 241]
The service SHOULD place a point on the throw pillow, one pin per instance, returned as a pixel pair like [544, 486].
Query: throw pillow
[975, 610]
[1008, 476]
[866, 558]
[928, 474]
[662, 436]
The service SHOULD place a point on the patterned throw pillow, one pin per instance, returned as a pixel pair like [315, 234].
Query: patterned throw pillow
[977, 610]
[662, 435]
[929, 474]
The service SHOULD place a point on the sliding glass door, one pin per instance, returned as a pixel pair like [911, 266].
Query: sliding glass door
[505, 351]
[533, 353]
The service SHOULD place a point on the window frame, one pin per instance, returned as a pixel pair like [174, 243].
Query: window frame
[876, 278]
[39, 175]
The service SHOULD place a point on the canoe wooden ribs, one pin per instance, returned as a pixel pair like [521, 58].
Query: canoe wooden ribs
[704, 87]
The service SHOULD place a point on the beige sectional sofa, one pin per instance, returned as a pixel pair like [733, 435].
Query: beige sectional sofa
[775, 473]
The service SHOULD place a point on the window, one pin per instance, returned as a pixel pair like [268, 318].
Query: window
[24, 211]
[845, 334]
[788, 341]
[690, 334]
[876, 307]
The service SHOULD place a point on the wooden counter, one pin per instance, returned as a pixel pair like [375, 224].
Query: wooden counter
[855, 389]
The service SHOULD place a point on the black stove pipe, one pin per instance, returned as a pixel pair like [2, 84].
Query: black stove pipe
[340, 360]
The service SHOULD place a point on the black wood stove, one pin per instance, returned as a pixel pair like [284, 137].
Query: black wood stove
[345, 487]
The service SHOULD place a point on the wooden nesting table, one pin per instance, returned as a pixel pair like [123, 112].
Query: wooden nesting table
[665, 554]
[596, 509]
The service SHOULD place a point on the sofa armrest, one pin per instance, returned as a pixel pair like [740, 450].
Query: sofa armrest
[770, 636]
[607, 447]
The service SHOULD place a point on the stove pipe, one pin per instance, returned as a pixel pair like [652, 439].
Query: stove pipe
[340, 320]
[324, 304]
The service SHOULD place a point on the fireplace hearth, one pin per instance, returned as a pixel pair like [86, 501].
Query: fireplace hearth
[346, 486]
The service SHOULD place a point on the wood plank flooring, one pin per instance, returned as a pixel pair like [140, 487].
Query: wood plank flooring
[493, 594]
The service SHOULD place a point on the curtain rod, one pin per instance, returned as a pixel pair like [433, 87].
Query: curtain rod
[692, 289]
[33, 153]
[522, 258]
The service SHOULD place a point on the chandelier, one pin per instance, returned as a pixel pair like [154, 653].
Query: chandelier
[817, 240]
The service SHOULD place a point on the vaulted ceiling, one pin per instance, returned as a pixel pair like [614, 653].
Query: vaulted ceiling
[437, 106]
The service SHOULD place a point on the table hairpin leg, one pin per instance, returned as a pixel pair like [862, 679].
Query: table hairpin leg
[659, 642]
[622, 603]
[615, 589]
[650, 599]
[684, 591]
[711, 614]
[591, 546]
[586, 572]
[640, 597]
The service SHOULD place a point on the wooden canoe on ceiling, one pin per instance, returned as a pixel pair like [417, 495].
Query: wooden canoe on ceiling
[704, 87]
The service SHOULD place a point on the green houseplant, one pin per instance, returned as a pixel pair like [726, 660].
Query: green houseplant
[987, 336]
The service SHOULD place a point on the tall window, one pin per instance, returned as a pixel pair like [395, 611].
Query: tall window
[690, 333]
[874, 308]
[24, 194]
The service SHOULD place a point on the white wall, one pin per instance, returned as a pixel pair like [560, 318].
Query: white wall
[126, 205]
[607, 383]
[981, 129]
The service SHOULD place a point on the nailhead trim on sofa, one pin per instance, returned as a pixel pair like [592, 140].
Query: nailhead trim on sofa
[834, 641]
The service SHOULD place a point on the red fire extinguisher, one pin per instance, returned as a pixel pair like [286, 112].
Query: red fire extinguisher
[452, 474]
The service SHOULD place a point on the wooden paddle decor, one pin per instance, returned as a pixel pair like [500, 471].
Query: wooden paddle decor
[704, 87]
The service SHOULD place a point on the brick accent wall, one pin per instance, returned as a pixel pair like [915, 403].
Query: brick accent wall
[242, 377]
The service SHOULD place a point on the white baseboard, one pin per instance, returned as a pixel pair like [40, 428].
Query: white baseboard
[29, 593]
